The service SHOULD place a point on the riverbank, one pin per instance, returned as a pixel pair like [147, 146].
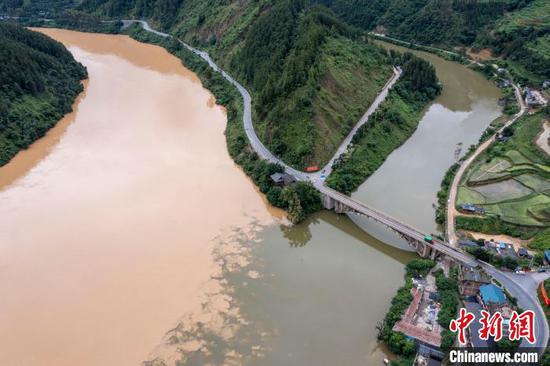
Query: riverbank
[26, 159]
[40, 83]
[300, 199]
[104, 247]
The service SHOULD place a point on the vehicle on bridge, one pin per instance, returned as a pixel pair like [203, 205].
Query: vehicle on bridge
[429, 239]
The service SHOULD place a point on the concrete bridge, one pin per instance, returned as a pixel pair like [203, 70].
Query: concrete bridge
[331, 199]
[340, 203]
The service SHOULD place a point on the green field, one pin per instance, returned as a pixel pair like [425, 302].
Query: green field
[519, 211]
[468, 195]
[535, 182]
[506, 190]
[493, 169]
[511, 180]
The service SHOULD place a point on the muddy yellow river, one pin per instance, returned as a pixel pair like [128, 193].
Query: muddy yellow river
[107, 224]
[128, 235]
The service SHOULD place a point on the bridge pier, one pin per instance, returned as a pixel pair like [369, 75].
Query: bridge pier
[331, 204]
[335, 201]
[433, 255]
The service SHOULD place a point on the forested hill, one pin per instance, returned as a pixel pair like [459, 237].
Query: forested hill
[311, 75]
[517, 31]
[39, 80]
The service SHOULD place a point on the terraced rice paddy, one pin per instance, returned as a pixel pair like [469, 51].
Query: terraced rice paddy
[512, 179]
[502, 191]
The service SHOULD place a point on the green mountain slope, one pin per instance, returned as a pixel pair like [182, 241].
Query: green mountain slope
[310, 74]
[515, 30]
[39, 80]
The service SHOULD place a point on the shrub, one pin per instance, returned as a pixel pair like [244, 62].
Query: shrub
[419, 267]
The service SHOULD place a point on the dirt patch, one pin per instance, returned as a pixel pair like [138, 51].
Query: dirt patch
[482, 55]
[544, 138]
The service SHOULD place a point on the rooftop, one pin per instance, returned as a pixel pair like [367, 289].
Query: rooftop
[492, 294]
[475, 275]
[282, 178]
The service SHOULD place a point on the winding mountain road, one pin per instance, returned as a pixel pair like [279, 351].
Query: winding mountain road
[453, 191]
[521, 288]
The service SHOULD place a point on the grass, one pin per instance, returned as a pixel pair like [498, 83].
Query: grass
[518, 212]
[541, 45]
[370, 151]
[516, 157]
[507, 190]
[352, 77]
[534, 182]
[485, 171]
[533, 15]
[467, 195]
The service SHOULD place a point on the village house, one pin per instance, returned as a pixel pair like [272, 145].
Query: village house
[491, 296]
[471, 280]
[282, 179]
[534, 98]
[468, 207]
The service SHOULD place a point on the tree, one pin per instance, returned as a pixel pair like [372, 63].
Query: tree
[419, 267]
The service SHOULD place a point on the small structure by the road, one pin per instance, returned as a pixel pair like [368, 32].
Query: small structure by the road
[468, 207]
[471, 280]
[547, 255]
[522, 252]
[533, 98]
[506, 250]
[501, 249]
[282, 179]
[504, 83]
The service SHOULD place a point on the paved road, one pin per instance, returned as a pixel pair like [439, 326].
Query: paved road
[453, 191]
[520, 290]
[430, 48]
[255, 142]
[524, 289]
[327, 169]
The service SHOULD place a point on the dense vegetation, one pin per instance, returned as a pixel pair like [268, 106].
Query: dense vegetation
[390, 126]
[312, 80]
[515, 30]
[496, 260]
[449, 297]
[39, 80]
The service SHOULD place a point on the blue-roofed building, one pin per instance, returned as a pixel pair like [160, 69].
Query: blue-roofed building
[491, 294]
